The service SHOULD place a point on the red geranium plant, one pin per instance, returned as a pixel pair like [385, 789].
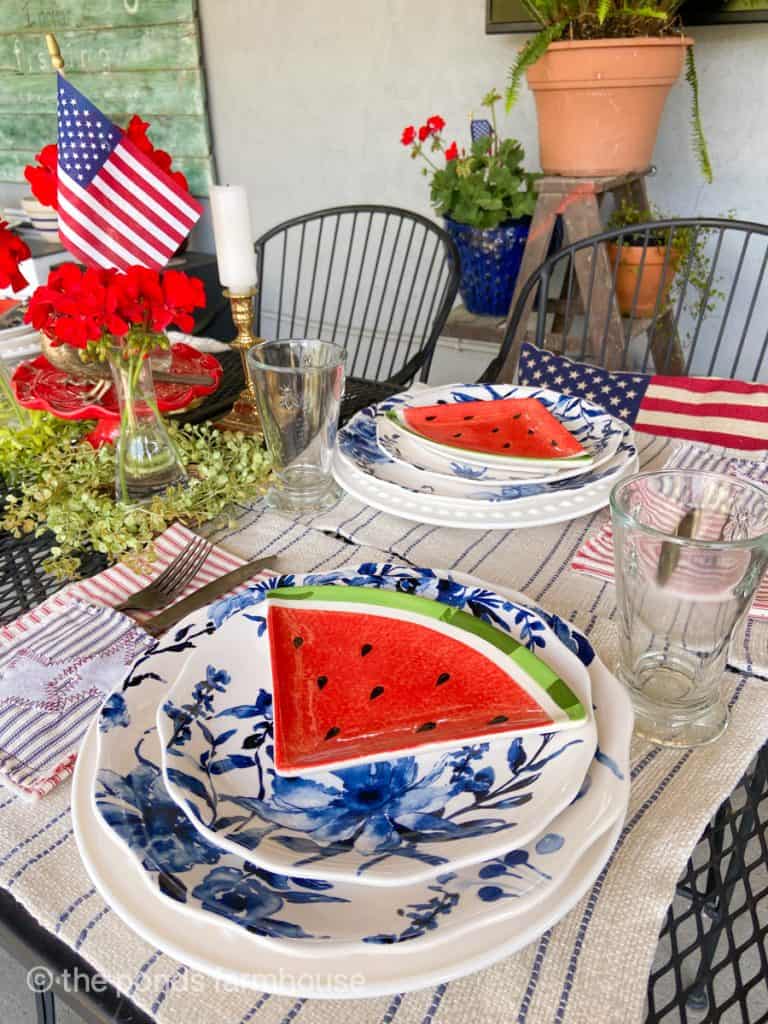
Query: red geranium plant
[483, 187]
[13, 251]
[42, 176]
[98, 310]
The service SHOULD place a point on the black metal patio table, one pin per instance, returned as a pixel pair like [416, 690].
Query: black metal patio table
[711, 964]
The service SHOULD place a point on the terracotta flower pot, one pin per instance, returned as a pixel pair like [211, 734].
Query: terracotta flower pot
[599, 102]
[643, 277]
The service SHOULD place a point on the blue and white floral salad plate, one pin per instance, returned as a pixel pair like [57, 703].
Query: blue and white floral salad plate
[392, 822]
[600, 434]
[218, 914]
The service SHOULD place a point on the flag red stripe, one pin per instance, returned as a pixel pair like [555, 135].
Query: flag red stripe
[148, 188]
[717, 409]
[134, 200]
[140, 255]
[125, 213]
[704, 436]
[73, 247]
[101, 247]
[166, 179]
[702, 385]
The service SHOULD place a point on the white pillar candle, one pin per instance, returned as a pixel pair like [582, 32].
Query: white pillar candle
[232, 234]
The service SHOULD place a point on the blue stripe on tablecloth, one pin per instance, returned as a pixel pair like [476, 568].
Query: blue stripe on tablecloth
[66, 914]
[53, 723]
[25, 842]
[533, 980]
[47, 755]
[500, 539]
[391, 1011]
[294, 1011]
[162, 995]
[434, 1006]
[90, 925]
[38, 857]
[142, 971]
[255, 1008]
[8, 802]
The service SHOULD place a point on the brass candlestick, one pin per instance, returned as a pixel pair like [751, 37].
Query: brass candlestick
[244, 415]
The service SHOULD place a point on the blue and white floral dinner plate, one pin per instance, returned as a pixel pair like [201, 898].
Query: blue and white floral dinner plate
[394, 822]
[255, 929]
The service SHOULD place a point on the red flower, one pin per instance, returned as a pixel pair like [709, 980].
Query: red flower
[409, 134]
[43, 178]
[12, 252]
[452, 152]
[424, 133]
[435, 123]
[136, 131]
[77, 306]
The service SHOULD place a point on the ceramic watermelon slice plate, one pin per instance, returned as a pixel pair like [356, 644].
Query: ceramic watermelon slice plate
[510, 430]
[365, 674]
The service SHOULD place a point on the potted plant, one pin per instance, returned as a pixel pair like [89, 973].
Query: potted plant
[646, 265]
[600, 71]
[486, 199]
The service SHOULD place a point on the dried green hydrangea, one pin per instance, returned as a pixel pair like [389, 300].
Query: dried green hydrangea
[68, 487]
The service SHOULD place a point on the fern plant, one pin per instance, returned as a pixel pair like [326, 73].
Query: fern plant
[608, 19]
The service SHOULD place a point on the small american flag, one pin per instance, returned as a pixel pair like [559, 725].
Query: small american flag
[710, 410]
[479, 129]
[116, 208]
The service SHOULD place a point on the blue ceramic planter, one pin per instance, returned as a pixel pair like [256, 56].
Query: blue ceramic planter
[490, 263]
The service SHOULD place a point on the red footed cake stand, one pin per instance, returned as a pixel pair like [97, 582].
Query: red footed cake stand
[39, 385]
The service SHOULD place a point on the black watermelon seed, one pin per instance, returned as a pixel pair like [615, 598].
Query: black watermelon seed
[517, 416]
[554, 444]
[457, 435]
[499, 719]
[430, 418]
[506, 445]
[427, 727]
[443, 678]
[469, 417]
[321, 681]
[376, 692]
[366, 649]
[531, 431]
[332, 732]
[298, 641]
[495, 430]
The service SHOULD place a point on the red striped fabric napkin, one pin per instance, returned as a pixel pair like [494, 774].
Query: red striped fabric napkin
[595, 557]
[58, 662]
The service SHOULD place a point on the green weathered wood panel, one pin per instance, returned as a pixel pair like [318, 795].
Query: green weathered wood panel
[153, 92]
[51, 15]
[198, 171]
[137, 48]
[181, 136]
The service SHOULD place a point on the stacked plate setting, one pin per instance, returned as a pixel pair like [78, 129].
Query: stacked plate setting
[379, 461]
[382, 876]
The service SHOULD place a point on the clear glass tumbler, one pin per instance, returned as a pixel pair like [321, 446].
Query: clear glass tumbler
[690, 549]
[299, 386]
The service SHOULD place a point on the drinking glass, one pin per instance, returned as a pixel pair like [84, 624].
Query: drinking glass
[299, 385]
[690, 549]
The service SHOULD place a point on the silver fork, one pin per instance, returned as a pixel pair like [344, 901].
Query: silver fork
[171, 580]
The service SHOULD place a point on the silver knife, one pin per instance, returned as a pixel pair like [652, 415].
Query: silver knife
[205, 595]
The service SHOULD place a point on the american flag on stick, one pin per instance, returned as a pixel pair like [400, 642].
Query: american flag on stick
[116, 207]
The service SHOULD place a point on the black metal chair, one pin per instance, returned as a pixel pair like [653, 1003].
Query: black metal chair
[378, 280]
[706, 313]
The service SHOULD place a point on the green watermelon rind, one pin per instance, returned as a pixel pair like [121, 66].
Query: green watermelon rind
[535, 460]
[556, 688]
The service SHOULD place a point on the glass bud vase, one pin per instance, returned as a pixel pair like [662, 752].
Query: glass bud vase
[146, 460]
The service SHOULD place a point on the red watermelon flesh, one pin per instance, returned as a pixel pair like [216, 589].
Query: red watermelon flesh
[350, 685]
[520, 427]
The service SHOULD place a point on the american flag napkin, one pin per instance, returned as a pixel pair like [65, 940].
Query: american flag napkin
[595, 557]
[710, 410]
[116, 207]
[59, 661]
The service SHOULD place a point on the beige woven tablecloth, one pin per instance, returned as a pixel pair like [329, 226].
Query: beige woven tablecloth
[591, 968]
